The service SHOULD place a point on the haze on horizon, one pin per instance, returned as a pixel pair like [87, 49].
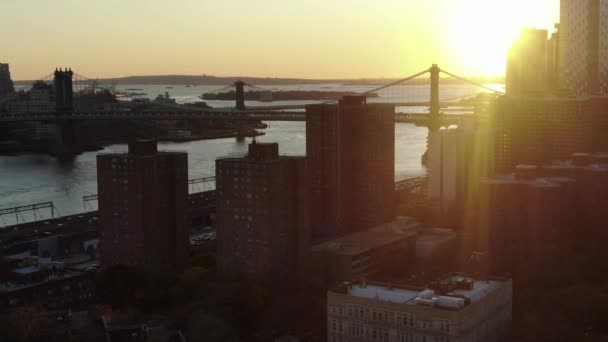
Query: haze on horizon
[303, 39]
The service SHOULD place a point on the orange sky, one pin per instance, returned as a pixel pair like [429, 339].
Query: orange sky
[308, 39]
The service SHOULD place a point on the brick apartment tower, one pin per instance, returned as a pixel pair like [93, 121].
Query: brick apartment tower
[261, 230]
[143, 196]
[350, 150]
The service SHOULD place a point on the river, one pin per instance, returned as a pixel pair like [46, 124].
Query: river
[34, 178]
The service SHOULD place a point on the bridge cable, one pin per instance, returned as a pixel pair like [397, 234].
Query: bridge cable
[219, 89]
[254, 87]
[473, 83]
[396, 82]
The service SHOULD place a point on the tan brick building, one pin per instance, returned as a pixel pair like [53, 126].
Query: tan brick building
[456, 309]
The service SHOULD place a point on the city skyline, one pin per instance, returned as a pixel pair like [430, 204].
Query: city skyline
[317, 40]
[347, 170]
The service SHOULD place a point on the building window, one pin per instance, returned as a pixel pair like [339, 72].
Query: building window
[409, 320]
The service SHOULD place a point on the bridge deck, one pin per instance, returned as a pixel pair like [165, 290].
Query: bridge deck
[190, 115]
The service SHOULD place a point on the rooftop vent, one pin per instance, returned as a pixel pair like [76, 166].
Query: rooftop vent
[526, 171]
[581, 159]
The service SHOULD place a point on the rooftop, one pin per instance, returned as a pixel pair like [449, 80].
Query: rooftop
[540, 182]
[28, 270]
[127, 155]
[382, 235]
[451, 293]
[245, 159]
[431, 240]
[9, 287]
[435, 235]
[548, 97]
[553, 173]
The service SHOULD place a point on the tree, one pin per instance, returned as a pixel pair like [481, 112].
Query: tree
[118, 286]
[204, 326]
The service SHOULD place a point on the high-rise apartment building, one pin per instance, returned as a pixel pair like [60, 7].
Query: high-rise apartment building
[350, 148]
[527, 63]
[6, 84]
[454, 308]
[143, 198]
[451, 153]
[552, 63]
[261, 230]
[541, 129]
[583, 45]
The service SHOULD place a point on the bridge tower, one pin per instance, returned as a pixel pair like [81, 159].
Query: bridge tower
[65, 137]
[64, 91]
[240, 94]
[434, 70]
[434, 144]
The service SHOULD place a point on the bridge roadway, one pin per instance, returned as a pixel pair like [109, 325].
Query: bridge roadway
[226, 114]
[155, 115]
[201, 203]
[396, 104]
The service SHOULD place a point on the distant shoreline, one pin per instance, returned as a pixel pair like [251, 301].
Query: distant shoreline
[213, 80]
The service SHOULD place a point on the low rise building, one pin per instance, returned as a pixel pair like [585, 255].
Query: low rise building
[385, 249]
[535, 215]
[43, 282]
[430, 243]
[456, 308]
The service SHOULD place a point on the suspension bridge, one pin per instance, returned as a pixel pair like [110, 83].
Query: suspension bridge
[421, 97]
[416, 99]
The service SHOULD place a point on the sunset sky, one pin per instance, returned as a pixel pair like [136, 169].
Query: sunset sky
[274, 38]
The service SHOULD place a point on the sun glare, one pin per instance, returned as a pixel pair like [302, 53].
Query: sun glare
[481, 32]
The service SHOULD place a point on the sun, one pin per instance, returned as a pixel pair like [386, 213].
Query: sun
[481, 32]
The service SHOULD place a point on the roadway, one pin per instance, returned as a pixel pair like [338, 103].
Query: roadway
[249, 115]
